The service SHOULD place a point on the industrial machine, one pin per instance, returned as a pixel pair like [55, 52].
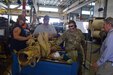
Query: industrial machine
[4, 52]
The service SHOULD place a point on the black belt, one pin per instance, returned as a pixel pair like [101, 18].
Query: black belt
[110, 61]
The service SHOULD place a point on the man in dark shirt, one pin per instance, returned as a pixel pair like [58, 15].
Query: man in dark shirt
[18, 42]
[19, 36]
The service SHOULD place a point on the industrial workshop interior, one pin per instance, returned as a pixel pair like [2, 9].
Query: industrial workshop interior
[56, 37]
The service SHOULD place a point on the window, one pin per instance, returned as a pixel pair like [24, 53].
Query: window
[93, 4]
[87, 12]
[14, 18]
[6, 16]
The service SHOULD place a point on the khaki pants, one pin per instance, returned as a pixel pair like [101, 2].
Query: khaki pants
[105, 69]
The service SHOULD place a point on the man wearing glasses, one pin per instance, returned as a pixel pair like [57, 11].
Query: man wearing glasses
[74, 43]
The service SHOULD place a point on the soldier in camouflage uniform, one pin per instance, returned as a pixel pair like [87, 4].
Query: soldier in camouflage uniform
[74, 43]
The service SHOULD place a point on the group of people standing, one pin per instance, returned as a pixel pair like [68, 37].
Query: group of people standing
[74, 41]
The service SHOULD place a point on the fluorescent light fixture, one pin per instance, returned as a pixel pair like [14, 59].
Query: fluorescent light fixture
[87, 12]
[48, 9]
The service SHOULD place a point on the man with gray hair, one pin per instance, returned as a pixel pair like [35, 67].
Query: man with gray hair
[104, 65]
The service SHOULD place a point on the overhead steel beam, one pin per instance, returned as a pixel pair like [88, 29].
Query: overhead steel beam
[79, 6]
[3, 5]
[35, 5]
[74, 4]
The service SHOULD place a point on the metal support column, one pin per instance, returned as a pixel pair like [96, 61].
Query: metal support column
[24, 8]
[105, 8]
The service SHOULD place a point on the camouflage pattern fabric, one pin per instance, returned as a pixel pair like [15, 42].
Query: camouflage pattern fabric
[73, 54]
[73, 41]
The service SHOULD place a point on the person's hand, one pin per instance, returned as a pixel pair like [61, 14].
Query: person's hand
[50, 36]
[53, 49]
[95, 66]
[29, 37]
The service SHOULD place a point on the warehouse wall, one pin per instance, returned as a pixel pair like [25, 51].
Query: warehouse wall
[98, 4]
[110, 8]
[101, 3]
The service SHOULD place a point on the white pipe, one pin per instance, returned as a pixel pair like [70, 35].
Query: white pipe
[79, 6]
[3, 5]
[74, 4]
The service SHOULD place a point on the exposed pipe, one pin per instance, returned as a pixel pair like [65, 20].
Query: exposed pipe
[24, 8]
[105, 8]
[35, 5]
[79, 6]
[74, 4]
[3, 5]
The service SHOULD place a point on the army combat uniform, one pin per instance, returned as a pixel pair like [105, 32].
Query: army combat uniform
[74, 41]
